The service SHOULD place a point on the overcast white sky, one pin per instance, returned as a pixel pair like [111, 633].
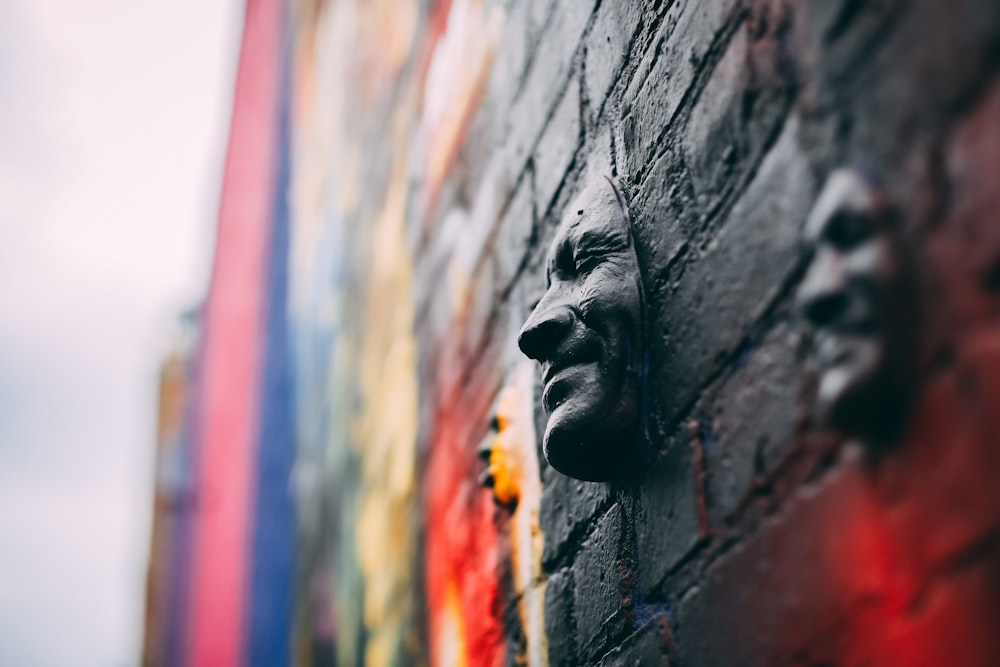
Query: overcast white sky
[113, 120]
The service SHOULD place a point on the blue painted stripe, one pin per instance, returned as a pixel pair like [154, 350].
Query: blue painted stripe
[269, 629]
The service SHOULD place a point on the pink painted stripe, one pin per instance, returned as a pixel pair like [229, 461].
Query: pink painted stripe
[232, 353]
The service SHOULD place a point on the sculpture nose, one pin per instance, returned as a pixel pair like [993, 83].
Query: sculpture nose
[545, 329]
[823, 296]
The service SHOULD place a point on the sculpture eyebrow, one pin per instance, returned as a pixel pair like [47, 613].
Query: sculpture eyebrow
[592, 240]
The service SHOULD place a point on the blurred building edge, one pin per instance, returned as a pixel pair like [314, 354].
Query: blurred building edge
[222, 555]
[173, 491]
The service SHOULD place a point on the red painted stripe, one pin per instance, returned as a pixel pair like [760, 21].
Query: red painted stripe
[232, 353]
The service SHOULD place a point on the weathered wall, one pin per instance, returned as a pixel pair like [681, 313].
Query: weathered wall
[433, 148]
[438, 145]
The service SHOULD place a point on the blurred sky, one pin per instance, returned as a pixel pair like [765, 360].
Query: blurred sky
[113, 121]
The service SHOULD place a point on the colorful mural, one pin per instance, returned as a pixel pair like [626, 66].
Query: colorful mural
[510, 452]
[353, 311]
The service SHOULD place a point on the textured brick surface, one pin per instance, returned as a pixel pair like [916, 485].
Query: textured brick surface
[547, 76]
[652, 100]
[786, 564]
[827, 578]
[568, 505]
[740, 107]
[599, 575]
[513, 243]
[645, 648]
[969, 253]
[713, 134]
[737, 277]
[667, 525]
[557, 146]
[607, 47]
[748, 422]
[559, 619]
[511, 59]
[938, 54]
[667, 216]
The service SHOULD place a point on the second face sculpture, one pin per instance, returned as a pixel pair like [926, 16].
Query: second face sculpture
[587, 332]
[858, 296]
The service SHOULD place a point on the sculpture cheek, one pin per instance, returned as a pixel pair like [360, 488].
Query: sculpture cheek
[597, 304]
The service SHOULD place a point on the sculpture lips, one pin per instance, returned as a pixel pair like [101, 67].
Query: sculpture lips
[576, 350]
[551, 371]
[555, 390]
[562, 382]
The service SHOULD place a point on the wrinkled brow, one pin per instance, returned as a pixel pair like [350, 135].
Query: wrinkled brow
[586, 236]
[608, 237]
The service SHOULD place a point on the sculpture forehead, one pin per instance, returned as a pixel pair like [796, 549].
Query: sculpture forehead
[595, 209]
[845, 191]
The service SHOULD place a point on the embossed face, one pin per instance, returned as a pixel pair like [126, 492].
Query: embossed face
[855, 295]
[587, 333]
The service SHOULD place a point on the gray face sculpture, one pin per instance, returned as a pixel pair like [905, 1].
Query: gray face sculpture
[587, 333]
[856, 296]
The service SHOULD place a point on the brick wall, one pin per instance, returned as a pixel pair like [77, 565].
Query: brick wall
[750, 534]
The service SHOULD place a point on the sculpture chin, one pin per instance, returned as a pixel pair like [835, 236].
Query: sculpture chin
[857, 392]
[587, 443]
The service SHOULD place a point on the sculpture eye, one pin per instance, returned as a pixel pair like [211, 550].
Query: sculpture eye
[563, 264]
[848, 229]
[584, 262]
